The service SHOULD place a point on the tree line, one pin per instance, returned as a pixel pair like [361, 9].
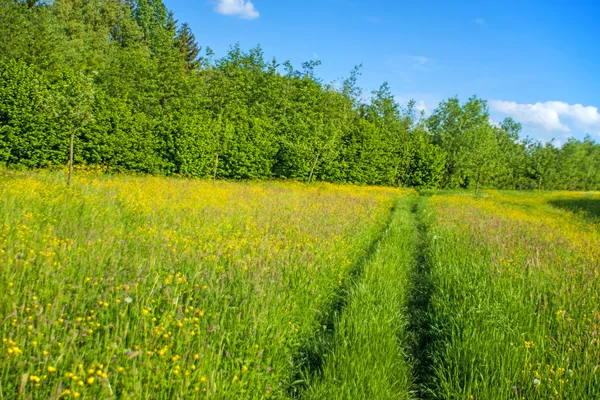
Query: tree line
[127, 87]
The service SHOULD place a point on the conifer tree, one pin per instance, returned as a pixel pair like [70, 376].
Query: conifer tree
[186, 43]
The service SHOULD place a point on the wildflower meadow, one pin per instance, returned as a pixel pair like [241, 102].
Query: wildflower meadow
[165, 288]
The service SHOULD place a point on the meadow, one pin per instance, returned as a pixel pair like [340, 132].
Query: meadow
[151, 287]
[515, 311]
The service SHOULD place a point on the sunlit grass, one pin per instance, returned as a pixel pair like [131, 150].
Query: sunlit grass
[370, 354]
[144, 286]
[516, 299]
[149, 287]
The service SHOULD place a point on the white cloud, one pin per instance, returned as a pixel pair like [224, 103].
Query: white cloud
[374, 20]
[241, 8]
[553, 116]
[479, 21]
[421, 106]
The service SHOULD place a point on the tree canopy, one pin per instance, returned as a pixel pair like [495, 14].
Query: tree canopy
[131, 86]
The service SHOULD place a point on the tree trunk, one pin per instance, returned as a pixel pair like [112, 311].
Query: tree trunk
[313, 167]
[216, 165]
[540, 184]
[71, 156]
[71, 144]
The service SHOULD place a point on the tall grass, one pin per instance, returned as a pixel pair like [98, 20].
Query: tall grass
[516, 301]
[138, 287]
[369, 357]
[146, 287]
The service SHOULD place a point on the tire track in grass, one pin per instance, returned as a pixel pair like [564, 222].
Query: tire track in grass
[423, 336]
[366, 357]
[310, 360]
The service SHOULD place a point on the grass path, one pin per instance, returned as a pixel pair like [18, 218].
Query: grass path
[468, 298]
[369, 358]
[423, 337]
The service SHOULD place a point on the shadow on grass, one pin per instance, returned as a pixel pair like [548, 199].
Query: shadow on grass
[309, 361]
[420, 311]
[588, 208]
[424, 326]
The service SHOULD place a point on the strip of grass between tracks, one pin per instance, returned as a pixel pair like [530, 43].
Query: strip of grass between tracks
[370, 355]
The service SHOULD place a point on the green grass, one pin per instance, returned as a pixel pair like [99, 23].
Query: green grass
[368, 357]
[515, 302]
[131, 287]
[589, 207]
[170, 288]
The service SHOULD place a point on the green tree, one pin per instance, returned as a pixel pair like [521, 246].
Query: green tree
[422, 162]
[188, 47]
[28, 138]
[453, 126]
[121, 84]
[542, 162]
[482, 159]
[511, 169]
[71, 105]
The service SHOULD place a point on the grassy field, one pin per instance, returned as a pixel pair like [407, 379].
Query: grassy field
[515, 312]
[148, 287]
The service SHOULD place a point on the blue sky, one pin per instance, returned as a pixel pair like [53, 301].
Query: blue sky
[536, 61]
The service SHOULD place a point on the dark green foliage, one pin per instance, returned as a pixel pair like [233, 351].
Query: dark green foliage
[186, 42]
[578, 165]
[457, 129]
[129, 84]
[22, 119]
[511, 166]
[422, 163]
